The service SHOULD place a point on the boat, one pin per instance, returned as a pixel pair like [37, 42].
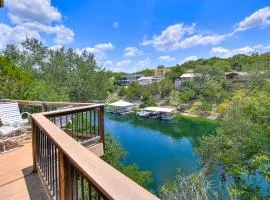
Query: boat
[121, 107]
[167, 117]
[162, 113]
[126, 112]
[154, 115]
[143, 113]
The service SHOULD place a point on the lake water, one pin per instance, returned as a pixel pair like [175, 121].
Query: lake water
[160, 146]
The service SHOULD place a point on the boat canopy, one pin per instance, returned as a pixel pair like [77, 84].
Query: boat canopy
[121, 103]
[159, 109]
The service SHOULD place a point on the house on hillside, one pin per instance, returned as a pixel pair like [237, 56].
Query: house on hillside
[127, 79]
[179, 82]
[146, 80]
[237, 76]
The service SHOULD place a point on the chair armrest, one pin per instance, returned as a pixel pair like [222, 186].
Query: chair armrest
[25, 113]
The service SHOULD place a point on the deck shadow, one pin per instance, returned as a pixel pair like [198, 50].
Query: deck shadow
[34, 185]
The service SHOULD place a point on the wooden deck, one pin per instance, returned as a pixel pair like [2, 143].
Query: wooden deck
[16, 178]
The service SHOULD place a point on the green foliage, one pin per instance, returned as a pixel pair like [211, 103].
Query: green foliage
[194, 187]
[242, 144]
[147, 72]
[64, 72]
[187, 95]
[205, 107]
[114, 155]
[166, 87]
[122, 91]
[15, 82]
[42, 91]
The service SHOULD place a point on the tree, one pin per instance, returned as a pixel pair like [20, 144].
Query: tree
[242, 144]
[194, 187]
[15, 82]
[64, 70]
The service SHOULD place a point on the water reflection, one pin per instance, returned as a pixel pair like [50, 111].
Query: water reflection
[160, 146]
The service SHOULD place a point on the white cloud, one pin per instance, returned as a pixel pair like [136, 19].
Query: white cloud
[115, 25]
[32, 10]
[62, 34]
[143, 63]
[200, 39]
[123, 63]
[34, 18]
[98, 50]
[179, 36]
[260, 18]
[166, 58]
[169, 36]
[261, 48]
[220, 52]
[131, 51]
[190, 58]
[56, 47]
[225, 53]
[15, 35]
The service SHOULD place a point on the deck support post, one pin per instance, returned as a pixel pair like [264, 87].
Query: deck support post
[34, 145]
[44, 107]
[64, 173]
[101, 125]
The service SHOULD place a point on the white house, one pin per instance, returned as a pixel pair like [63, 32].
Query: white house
[178, 83]
[146, 80]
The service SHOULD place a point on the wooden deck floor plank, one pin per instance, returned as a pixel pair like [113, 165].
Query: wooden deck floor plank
[16, 178]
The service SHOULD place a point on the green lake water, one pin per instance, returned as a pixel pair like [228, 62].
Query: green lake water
[160, 146]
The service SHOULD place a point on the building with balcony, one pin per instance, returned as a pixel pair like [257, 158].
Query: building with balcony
[127, 79]
[146, 80]
[179, 82]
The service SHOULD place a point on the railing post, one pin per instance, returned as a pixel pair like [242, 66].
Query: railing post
[34, 145]
[44, 107]
[64, 174]
[101, 125]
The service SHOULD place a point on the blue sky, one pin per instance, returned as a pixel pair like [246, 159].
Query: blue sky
[134, 35]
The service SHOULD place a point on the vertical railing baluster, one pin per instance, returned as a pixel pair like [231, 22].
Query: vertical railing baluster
[91, 123]
[95, 122]
[56, 174]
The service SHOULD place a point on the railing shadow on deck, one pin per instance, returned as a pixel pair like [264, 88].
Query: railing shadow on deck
[35, 187]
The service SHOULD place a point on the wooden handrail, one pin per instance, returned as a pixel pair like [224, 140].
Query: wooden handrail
[42, 103]
[110, 182]
[67, 111]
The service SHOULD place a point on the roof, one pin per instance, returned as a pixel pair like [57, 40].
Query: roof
[159, 109]
[145, 78]
[121, 103]
[189, 75]
[238, 73]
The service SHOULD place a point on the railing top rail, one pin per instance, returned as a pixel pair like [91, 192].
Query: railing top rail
[112, 183]
[42, 103]
[68, 111]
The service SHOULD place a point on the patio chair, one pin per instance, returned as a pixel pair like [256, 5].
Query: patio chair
[14, 127]
[11, 137]
[10, 115]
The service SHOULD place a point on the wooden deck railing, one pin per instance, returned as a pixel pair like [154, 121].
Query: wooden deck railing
[69, 170]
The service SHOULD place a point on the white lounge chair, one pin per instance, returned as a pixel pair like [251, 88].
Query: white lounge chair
[14, 127]
[10, 115]
[11, 135]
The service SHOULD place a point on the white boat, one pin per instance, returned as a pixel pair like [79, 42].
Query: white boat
[125, 112]
[155, 115]
[121, 107]
[143, 113]
[167, 117]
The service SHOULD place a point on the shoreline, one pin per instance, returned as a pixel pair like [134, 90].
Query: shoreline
[210, 117]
